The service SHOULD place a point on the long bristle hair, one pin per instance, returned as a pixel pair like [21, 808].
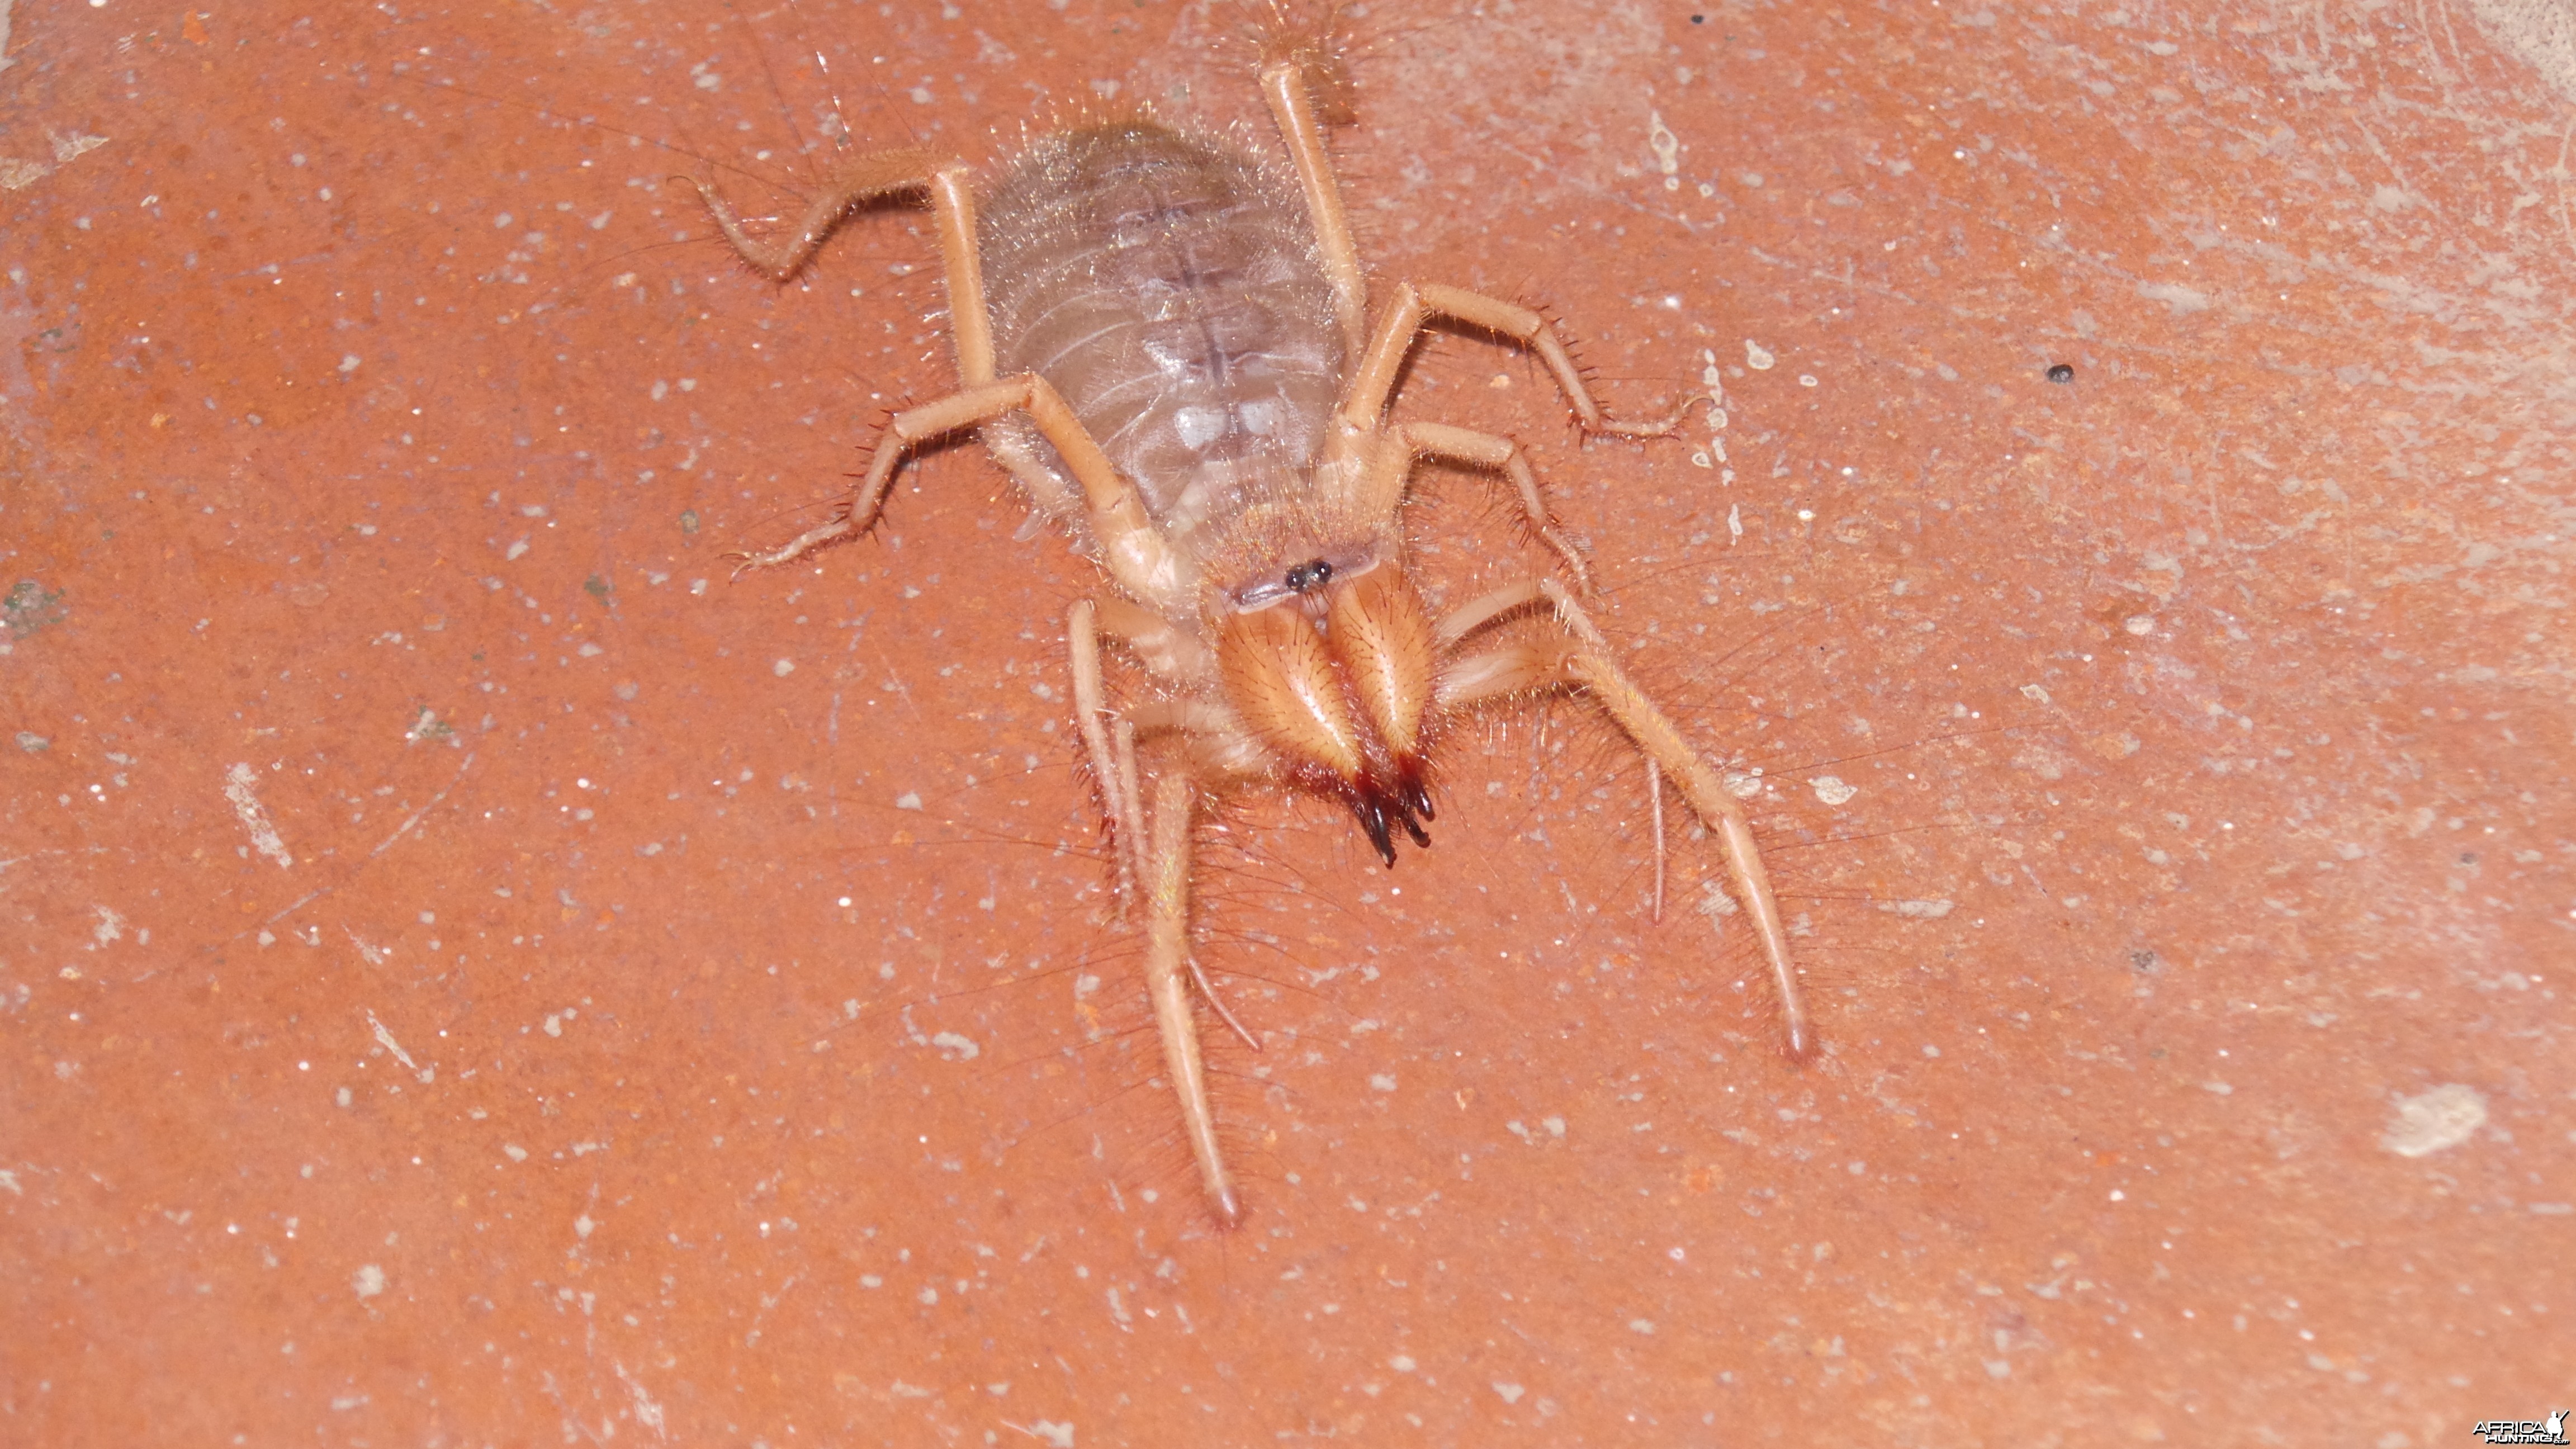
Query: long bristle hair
[1311, 37]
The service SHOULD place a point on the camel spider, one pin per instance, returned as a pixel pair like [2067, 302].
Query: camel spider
[1166, 342]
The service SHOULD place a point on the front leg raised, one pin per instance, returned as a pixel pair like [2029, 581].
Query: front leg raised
[1579, 657]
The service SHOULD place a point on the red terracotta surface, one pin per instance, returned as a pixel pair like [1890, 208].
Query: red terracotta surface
[473, 974]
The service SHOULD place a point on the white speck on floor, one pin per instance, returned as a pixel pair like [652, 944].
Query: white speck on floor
[2183, 300]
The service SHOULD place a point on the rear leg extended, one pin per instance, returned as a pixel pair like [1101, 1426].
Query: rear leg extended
[949, 187]
[1302, 80]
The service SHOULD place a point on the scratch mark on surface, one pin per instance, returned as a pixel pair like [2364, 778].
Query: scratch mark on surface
[415, 817]
[263, 836]
[386, 1040]
[16, 175]
[647, 1412]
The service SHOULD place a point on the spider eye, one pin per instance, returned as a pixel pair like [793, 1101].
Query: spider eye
[1308, 577]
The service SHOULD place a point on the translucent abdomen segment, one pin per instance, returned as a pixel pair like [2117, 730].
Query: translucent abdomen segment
[1170, 290]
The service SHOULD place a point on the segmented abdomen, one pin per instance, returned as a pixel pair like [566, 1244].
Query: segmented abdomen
[1170, 290]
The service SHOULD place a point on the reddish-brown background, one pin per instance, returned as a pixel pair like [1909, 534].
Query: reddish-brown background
[376, 437]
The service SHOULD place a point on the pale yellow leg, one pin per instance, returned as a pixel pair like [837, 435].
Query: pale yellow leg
[1131, 803]
[1400, 447]
[1292, 105]
[1090, 717]
[1414, 307]
[1167, 948]
[1476, 613]
[1287, 88]
[1584, 661]
[1132, 548]
[1112, 751]
[950, 185]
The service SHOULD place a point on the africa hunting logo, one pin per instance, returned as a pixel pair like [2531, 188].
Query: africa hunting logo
[2523, 1431]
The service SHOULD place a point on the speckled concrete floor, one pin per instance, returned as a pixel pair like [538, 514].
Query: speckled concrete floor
[472, 974]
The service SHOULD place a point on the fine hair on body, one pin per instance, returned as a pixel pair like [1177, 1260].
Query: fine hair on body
[1167, 341]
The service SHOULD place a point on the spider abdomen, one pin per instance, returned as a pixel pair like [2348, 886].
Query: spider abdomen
[1170, 289]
